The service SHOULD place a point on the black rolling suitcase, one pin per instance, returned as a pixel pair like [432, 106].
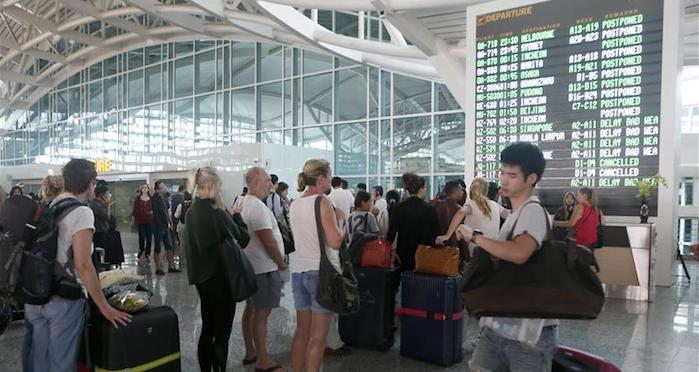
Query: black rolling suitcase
[113, 250]
[151, 342]
[372, 326]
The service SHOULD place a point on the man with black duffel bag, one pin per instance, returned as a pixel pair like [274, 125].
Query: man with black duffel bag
[516, 344]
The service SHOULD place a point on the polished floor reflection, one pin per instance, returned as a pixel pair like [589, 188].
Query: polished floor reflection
[636, 336]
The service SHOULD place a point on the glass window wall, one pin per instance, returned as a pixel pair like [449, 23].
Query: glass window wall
[179, 96]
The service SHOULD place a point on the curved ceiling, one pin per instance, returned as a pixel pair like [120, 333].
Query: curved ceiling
[44, 42]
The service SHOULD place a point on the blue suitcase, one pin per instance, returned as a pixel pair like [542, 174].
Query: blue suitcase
[431, 318]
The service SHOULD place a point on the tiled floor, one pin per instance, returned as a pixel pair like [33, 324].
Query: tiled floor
[636, 336]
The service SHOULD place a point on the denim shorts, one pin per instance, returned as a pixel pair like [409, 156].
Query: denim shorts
[497, 353]
[304, 287]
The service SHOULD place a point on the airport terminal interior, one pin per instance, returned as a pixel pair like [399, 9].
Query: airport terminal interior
[148, 90]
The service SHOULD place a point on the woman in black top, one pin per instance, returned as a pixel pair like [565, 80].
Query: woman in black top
[206, 228]
[563, 214]
[413, 220]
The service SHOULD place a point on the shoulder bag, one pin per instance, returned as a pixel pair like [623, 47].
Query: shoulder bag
[557, 282]
[338, 292]
[237, 268]
[600, 231]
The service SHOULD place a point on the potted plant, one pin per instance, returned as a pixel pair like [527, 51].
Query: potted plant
[645, 186]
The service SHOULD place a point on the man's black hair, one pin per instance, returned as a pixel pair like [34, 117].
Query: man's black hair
[450, 186]
[379, 190]
[157, 184]
[181, 188]
[12, 191]
[527, 156]
[101, 190]
[361, 186]
[78, 175]
[274, 178]
[493, 191]
[336, 182]
[344, 184]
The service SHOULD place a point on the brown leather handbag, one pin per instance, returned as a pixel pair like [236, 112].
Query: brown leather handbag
[437, 261]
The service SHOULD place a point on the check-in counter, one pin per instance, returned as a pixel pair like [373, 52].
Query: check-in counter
[627, 261]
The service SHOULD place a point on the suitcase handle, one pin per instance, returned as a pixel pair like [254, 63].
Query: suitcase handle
[427, 315]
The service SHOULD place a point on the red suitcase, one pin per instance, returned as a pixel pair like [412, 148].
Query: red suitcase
[568, 359]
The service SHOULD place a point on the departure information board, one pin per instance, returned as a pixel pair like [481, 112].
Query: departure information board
[582, 80]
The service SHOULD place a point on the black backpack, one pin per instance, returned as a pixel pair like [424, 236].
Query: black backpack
[41, 276]
[14, 215]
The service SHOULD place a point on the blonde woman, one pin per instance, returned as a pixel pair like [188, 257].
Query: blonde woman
[51, 187]
[313, 320]
[478, 212]
[206, 228]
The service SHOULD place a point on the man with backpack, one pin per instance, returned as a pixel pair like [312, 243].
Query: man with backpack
[516, 344]
[273, 200]
[57, 324]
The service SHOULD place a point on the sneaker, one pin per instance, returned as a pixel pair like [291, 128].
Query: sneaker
[174, 270]
[159, 272]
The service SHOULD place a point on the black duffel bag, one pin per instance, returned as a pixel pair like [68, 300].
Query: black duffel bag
[557, 282]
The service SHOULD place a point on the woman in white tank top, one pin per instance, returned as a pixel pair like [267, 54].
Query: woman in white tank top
[478, 212]
[313, 320]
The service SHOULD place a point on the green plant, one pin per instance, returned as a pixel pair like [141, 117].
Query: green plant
[645, 186]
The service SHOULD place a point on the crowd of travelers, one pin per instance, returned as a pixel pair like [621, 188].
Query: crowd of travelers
[185, 224]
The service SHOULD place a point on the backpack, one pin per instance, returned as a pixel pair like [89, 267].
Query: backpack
[285, 231]
[13, 216]
[183, 212]
[269, 201]
[41, 275]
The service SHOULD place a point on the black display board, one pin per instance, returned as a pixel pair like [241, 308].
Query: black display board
[581, 78]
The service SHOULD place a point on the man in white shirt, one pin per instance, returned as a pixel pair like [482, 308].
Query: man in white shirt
[509, 343]
[341, 198]
[379, 201]
[266, 253]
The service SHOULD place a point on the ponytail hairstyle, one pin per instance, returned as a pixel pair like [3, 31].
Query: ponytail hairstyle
[478, 192]
[392, 198]
[51, 187]
[591, 197]
[199, 177]
[313, 169]
[361, 197]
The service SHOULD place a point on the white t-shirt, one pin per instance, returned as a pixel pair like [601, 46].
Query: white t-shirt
[79, 219]
[356, 222]
[258, 217]
[381, 204]
[342, 199]
[490, 226]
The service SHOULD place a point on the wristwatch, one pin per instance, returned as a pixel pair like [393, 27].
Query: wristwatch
[475, 233]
